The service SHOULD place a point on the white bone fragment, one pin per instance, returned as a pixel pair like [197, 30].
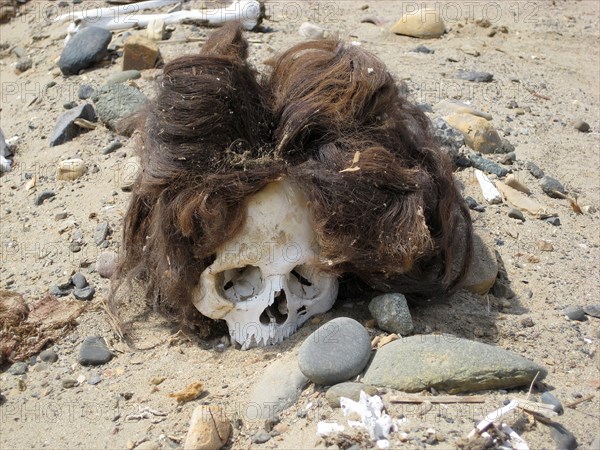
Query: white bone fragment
[327, 428]
[128, 16]
[517, 442]
[493, 417]
[490, 193]
[373, 417]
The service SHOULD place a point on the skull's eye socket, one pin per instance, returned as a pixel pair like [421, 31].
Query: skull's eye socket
[301, 282]
[241, 283]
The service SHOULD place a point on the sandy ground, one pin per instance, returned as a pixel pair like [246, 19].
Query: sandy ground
[548, 63]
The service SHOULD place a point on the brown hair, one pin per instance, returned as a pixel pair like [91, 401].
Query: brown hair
[217, 133]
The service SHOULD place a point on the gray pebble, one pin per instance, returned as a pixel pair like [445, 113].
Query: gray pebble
[75, 247]
[49, 355]
[25, 63]
[592, 310]
[549, 185]
[114, 145]
[261, 437]
[575, 313]
[392, 314]
[61, 290]
[535, 170]
[422, 49]
[563, 438]
[115, 102]
[86, 293]
[78, 280]
[553, 221]
[18, 368]
[478, 77]
[550, 399]
[514, 213]
[101, 233]
[582, 126]
[337, 351]
[508, 158]
[124, 76]
[472, 204]
[61, 215]
[94, 379]
[106, 264]
[94, 351]
[42, 197]
[85, 91]
[69, 105]
[66, 129]
[69, 383]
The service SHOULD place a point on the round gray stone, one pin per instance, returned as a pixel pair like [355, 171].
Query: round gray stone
[86, 293]
[349, 390]
[592, 310]
[550, 399]
[94, 351]
[78, 280]
[575, 313]
[582, 126]
[392, 314]
[18, 368]
[336, 352]
[261, 437]
[551, 185]
[83, 50]
[49, 355]
[514, 213]
[106, 264]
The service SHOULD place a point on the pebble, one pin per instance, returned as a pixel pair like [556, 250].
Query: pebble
[535, 170]
[18, 368]
[84, 49]
[94, 379]
[553, 221]
[68, 383]
[70, 169]
[422, 49]
[66, 129]
[49, 355]
[42, 197]
[209, 429]
[446, 362]
[422, 23]
[140, 53]
[508, 159]
[113, 146]
[514, 213]
[115, 102]
[61, 290]
[592, 310]
[69, 105]
[478, 132]
[549, 185]
[78, 280]
[502, 290]
[478, 77]
[472, 204]
[25, 63]
[515, 183]
[279, 387]
[349, 390]
[582, 126]
[94, 351]
[311, 31]
[392, 314]
[527, 322]
[484, 268]
[85, 91]
[261, 437]
[448, 137]
[85, 293]
[486, 165]
[106, 264]
[575, 313]
[123, 76]
[101, 232]
[563, 438]
[337, 351]
[550, 399]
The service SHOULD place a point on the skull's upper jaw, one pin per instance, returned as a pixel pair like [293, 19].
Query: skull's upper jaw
[267, 281]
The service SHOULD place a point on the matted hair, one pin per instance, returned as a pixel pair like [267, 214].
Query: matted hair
[218, 132]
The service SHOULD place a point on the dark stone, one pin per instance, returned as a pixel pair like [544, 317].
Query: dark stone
[575, 313]
[78, 280]
[514, 213]
[65, 128]
[101, 233]
[535, 170]
[448, 137]
[553, 221]
[337, 351]
[392, 314]
[49, 356]
[563, 438]
[478, 77]
[550, 399]
[94, 351]
[69, 105]
[261, 437]
[592, 310]
[43, 196]
[582, 126]
[86, 293]
[472, 204]
[84, 49]
[422, 49]
[25, 63]
[69, 383]
[61, 290]
[486, 165]
[86, 91]
[114, 145]
[551, 185]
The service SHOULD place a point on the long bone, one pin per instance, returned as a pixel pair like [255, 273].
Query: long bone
[128, 16]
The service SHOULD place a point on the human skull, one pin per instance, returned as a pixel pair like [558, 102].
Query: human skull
[268, 279]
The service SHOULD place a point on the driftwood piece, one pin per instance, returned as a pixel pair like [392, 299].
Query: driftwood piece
[436, 399]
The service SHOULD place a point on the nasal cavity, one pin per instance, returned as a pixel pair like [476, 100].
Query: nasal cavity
[277, 312]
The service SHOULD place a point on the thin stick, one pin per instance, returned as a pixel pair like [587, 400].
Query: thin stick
[581, 400]
[436, 399]
[531, 385]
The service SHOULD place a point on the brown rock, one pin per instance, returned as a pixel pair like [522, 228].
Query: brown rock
[8, 10]
[70, 169]
[209, 429]
[140, 53]
[478, 132]
[514, 183]
[484, 267]
[423, 23]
